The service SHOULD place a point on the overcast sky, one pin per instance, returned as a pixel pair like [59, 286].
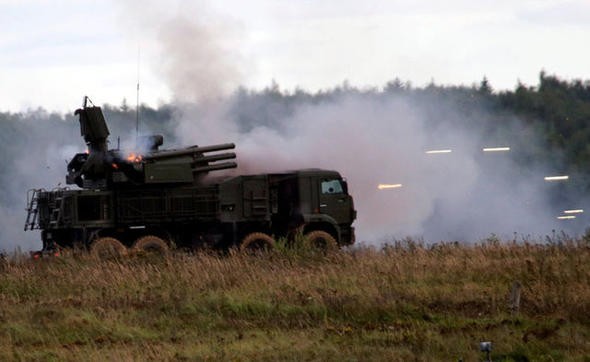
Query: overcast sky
[52, 53]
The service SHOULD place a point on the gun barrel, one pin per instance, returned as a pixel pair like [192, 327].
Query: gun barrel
[217, 157]
[219, 147]
[219, 166]
[189, 151]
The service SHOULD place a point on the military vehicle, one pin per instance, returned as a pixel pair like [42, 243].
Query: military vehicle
[152, 200]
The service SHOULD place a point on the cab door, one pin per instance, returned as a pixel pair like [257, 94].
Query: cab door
[334, 199]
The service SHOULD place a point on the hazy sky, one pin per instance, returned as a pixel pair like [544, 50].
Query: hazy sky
[52, 53]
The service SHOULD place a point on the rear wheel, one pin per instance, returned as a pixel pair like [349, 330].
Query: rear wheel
[150, 244]
[257, 242]
[321, 240]
[107, 248]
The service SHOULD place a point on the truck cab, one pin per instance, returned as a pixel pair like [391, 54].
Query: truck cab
[325, 204]
[280, 204]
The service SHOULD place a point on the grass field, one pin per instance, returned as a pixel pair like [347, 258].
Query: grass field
[405, 302]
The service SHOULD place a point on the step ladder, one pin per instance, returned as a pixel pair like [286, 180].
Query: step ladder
[32, 210]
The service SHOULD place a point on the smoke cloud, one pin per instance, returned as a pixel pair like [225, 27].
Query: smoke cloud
[193, 48]
[39, 149]
[371, 138]
[465, 195]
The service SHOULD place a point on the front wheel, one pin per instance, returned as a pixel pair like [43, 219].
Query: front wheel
[321, 240]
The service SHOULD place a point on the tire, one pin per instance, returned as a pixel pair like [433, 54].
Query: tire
[150, 244]
[257, 242]
[107, 248]
[321, 240]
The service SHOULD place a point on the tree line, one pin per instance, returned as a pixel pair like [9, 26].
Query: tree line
[556, 111]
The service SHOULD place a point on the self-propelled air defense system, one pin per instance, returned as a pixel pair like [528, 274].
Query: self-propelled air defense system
[153, 199]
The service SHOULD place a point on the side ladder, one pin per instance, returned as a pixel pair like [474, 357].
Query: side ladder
[32, 209]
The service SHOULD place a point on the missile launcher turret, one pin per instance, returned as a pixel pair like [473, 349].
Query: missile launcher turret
[101, 168]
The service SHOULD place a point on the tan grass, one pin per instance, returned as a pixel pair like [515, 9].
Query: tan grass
[405, 300]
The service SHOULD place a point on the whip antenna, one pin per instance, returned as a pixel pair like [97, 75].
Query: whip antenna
[137, 100]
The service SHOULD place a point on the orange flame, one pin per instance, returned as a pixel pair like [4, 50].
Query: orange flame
[134, 157]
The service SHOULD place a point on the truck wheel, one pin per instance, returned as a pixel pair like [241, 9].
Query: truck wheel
[321, 240]
[107, 248]
[150, 244]
[255, 242]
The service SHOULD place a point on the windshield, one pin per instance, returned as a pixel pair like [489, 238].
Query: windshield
[332, 187]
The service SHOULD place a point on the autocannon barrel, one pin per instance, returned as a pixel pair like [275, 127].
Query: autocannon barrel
[189, 151]
[217, 157]
[219, 147]
[218, 166]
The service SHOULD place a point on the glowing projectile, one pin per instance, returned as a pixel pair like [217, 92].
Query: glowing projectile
[574, 211]
[389, 186]
[568, 217]
[496, 149]
[438, 151]
[556, 178]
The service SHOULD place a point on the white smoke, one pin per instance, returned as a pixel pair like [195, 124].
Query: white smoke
[41, 157]
[381, 138]
[464, 195]
[188, 44]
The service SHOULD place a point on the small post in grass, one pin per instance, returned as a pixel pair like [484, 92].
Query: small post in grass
[514, 302]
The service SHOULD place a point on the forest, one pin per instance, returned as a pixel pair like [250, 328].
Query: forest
[557, 109]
